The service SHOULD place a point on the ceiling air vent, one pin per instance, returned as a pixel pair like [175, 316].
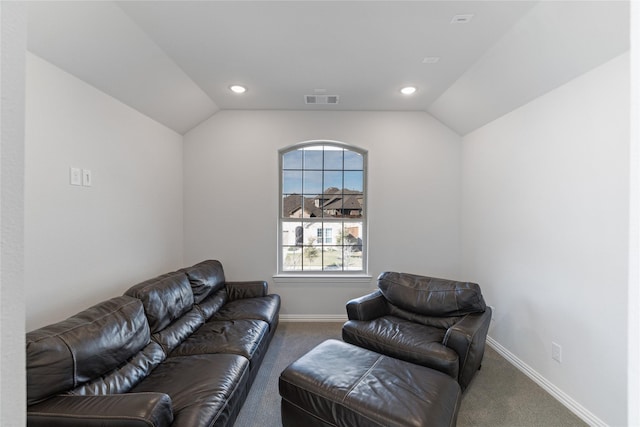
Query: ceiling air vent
[321, 99]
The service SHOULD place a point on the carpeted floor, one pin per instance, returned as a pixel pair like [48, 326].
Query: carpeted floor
[498, 396]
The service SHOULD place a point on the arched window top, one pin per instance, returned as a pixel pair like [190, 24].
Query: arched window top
[322, 208]
[314, 144]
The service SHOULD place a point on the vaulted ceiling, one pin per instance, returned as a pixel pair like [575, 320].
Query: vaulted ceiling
[175, 60]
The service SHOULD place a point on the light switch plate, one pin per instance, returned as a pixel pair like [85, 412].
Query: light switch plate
[86, 178]
[75, 176]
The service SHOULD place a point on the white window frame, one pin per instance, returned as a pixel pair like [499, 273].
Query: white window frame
[363, 273]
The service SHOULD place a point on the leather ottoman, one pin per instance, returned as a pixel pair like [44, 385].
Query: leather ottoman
[339, 384]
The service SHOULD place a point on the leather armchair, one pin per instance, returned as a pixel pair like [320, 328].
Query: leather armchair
[438, 323]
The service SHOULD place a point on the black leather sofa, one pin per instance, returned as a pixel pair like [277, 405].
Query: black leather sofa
[438, 323]
[181, 349]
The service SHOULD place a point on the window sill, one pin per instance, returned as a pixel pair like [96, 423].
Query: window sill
[318, 278]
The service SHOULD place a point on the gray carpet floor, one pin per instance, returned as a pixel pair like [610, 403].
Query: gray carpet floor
[498, 396]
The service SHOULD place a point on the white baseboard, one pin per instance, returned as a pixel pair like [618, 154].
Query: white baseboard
[582, 412]
[313, 318]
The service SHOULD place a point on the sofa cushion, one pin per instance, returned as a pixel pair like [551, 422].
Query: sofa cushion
[431, 296]
[205, 389]
[261, 308]
[214, 302]
[123, 378]
[403, 340]
[85, 346]
[129, 409]
[205, 278]
[171, 336]
[165, 298]
[243, 337]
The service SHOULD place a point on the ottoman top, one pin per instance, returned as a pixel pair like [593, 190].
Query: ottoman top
[343, 384]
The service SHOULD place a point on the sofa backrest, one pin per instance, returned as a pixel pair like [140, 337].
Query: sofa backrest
[168, 304]
[165, 298]
[206, 278]
[431, 296]
[67, 354]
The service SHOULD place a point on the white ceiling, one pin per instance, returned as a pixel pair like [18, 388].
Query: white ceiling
[174, 60]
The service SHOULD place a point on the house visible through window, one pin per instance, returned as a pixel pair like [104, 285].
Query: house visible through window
[322, 208]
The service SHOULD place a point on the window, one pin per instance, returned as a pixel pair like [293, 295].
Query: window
[322, 209]
[325, 237]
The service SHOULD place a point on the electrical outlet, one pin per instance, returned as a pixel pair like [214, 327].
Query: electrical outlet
[556, 352]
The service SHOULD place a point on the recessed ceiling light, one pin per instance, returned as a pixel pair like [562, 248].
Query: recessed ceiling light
[238, 89]
[408, 90]
[430, 59]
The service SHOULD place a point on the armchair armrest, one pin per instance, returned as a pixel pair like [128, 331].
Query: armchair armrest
[109, 410]
[250, 289]
[467, 337]
[367, 307]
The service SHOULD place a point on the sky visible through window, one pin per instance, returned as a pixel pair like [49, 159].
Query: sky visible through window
[315, 169]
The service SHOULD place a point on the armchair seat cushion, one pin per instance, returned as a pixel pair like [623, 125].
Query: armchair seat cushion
[405, 340]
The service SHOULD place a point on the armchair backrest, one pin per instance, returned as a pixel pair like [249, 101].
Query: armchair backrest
[430, 296]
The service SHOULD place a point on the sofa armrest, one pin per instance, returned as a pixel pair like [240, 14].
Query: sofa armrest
[109, 410]
[467, 337]
[367, 307]
[251, 289]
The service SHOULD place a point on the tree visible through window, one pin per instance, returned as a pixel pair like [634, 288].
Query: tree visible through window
[322, 208]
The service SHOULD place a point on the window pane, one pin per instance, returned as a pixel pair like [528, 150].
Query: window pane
[311, 230]
[312, 258]
[312, 182]
[351, 259]
[352, 236]
[333, 159]
[332, 258]
[292, 234]
[292, 182]
[328, 236]
[333, 206]
[352, 205]
[292, 258]
[353, 180]
[333, 179]
[353, 160]
[292, 207]
[313, 158]
[292, 160]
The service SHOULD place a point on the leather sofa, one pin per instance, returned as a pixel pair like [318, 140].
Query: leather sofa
[438, 323]
[181, 350]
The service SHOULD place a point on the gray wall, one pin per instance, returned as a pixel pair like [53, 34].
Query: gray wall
[545, 228]
[87, 244]
[13, 36]
[231, 196]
